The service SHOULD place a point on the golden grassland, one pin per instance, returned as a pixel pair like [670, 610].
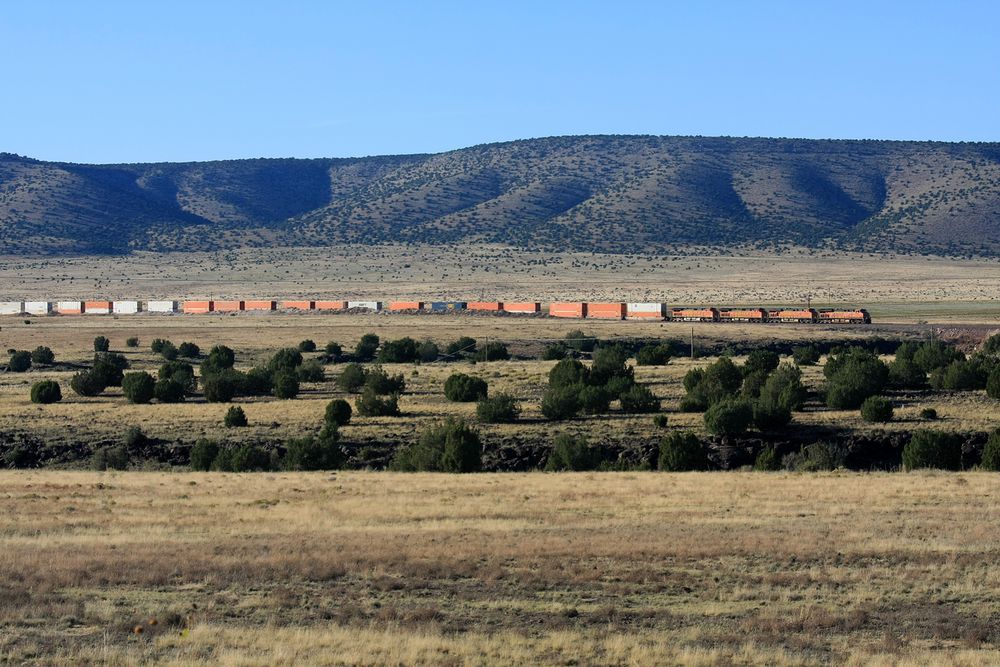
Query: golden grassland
[102, 419]
[898, 288]
[575, 568]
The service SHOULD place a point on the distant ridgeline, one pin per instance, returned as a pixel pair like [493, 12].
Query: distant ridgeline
[592, 193]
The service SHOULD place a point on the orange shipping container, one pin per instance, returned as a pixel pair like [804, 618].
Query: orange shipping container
[331, 305]
[527, 307]
[494, 306]
[97, 307]
[406, 305]
[228, 306]
[606, 311]
[259, 305]
[565, 309]
[297, 305]
[198, 306]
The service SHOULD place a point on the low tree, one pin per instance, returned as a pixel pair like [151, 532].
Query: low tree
[42, 356]
[334, 350]
[877, 409]
[371, 404]
[139, 387]
[243, 458]
[203, 454]
[101, 344]
[760, 361]
[352, 378]
[46, 391]
[451, 446]
[572, 453]
[307, 346]
[991, 452]
[110, 367]
[20, 361]
[933, 449]
[169, 391]
[366, 347]
[682, 452]
[577, 340]
[400, 351]
[235, 417]
[653, 355]
[463, 388]
[805, 355]
[428, 351]
[639, 400]
[180, 372]
[87, 383]
[311, 371]
[314, 453]
[156, 347]
[132, 342]
[594, 400]
[728, 417]
[169, 351]
[499, 409]
[462, 346]
[219, 358]
[189, 350]
[492, 352]
[221, 387]
[286, 384]
[338, 412]
[114, 457]
[286, 359]
[561, 402]
[383, 384]
[767, 460]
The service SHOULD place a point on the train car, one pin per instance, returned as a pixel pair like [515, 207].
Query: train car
[297, 305]
[527, 307]
[70, 307]
[161, 306]
[606, 311]
[38, 307]
[365, 305]
[330, 305]
[568, 309]
[758, 315]
[404, 306]
[832, 316]
[126, 307]
[228, 306]
[11, 307]
[98, 307]
[443, 306]
[198, 307]
[260, 305]
[485, 306]
[645, 311]
[804, 316]
[694, 314]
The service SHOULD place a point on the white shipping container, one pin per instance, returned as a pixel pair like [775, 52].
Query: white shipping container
[126, 307]
[69, 306]
[370, 305]
[37, 307]
[644, 307]
[11, 307]
[161, 306]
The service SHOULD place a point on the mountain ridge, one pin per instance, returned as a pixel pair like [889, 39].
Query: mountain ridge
[604, 193]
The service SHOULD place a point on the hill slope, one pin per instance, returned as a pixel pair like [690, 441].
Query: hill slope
[617, 193]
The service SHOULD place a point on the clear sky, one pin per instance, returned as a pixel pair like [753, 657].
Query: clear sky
[93, 81]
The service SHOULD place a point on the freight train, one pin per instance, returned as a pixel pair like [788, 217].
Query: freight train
[561, 309]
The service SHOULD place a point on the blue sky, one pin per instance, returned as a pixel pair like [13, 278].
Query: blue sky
[155, 81]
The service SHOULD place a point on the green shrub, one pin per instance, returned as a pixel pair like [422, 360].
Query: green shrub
[928, 413]
[132, 342]
[307, 345]
[682, 452]
[352, 378]
[639, 400]
[561, 402]
[180, 372]
[219, 358]
[760, 361]
[287, 359]
[876, 409]
[661, 421]
[935, 354]
[991, 346]
[784, 389]
[853, 376]
[498, 409]
[338, 412]
[235, 417]
[370, 404]
[767, 460]
[577, 340]
[428, 351]
[718, 381]
[492, 352]
[244, 458]
[334, 350]
[752, 385]
[110, 368]
[383, 384]
[20, 361]
[46, 391]
[933, 449]
[258, 381]
[400, 351]
[156, 347]
[134, 438]
[451, 446]
[653, 355]
[138, 387]
[101, 344]
[189, 350]
[555, 351]
[87, 383]
[572, 453]
[993, 384]
[568, 372]
[169, 391]
[959, 375]
[770, 416]
[314, 453]
[464, 388]
[806, 355]
[203, 454]
[815, 458]
[42, 355]
[311, 371]
[728, 417]
[366, 347]
[286, 385]
[991, 452]
[595, 400]
[462, 346]
[169, 351]
[611, 363]
[906, 374]
[221, 387]
[617, 386]
[110, 458]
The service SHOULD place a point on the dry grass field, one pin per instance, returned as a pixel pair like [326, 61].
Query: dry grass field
[576, 568]
[904, 288]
